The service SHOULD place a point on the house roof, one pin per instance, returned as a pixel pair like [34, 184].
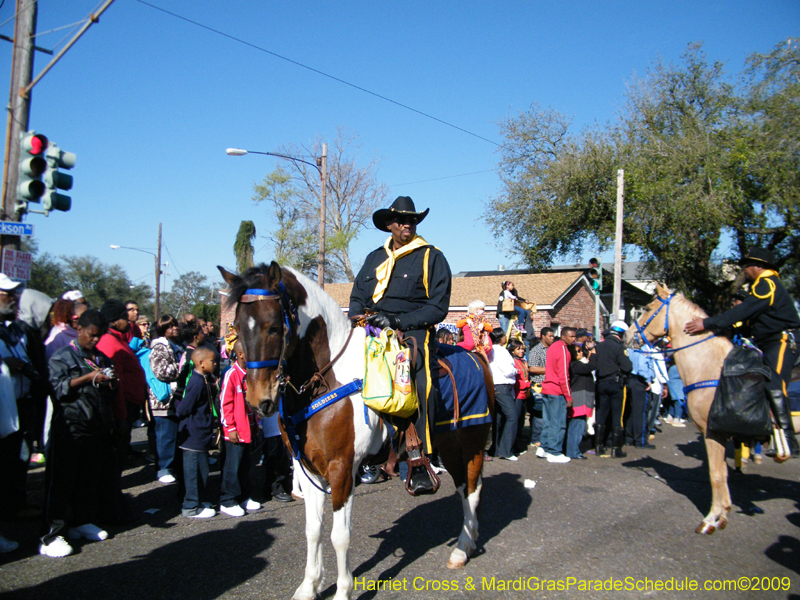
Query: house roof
[544, 289]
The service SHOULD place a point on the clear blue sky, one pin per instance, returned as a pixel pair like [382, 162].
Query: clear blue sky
[149, 103]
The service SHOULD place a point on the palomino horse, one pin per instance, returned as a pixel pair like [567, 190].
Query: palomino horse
[699, 359]
[299, 345]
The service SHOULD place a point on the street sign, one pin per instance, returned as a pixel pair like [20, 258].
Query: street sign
[17, 265]
[15, 228]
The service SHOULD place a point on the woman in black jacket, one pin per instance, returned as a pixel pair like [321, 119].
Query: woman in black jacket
[80, 436]
[581, 381]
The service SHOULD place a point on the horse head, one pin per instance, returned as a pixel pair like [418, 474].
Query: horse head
[266, 321]
[654, 323]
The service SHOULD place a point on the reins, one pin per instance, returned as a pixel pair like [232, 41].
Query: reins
[667, 351]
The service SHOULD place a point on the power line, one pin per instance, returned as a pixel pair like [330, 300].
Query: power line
[317, 71]
[440, 178]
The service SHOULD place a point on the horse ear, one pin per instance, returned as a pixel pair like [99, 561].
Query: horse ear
[274, 274]
[229, 277]
[661, 290]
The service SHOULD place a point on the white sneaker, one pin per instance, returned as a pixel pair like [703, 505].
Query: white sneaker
[233, 511]
[58, 548]
[668, 419]
[540, 453]
[512, 457]
[7, 545]
[677, 423]
[206, 513]
[88, 532]
[167, 478]
[558, 458]
[250, 505]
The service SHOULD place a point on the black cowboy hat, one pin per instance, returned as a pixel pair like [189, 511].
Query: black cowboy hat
[759, 257]
[403, 205]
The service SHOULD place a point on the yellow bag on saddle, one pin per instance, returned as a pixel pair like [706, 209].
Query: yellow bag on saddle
[388, 387]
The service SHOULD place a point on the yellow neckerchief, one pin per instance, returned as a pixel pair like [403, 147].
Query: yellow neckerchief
[384, 270]
[770, 283]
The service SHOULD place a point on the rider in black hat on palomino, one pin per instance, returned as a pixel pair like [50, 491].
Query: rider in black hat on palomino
[407, 283]
[775, 326]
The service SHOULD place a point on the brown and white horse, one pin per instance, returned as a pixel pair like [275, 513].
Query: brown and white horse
[291, 330]
[696, 361]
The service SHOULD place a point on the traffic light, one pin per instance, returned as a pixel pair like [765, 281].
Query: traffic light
[596, 275]
[32, 165]
[55, 180]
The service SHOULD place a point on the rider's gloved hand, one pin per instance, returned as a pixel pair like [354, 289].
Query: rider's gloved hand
[382, 321]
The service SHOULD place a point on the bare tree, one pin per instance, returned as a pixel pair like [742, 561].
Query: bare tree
[353, 194]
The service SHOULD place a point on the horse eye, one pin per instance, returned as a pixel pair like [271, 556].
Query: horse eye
[274, 330]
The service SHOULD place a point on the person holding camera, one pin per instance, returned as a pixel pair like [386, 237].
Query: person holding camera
[84, 387]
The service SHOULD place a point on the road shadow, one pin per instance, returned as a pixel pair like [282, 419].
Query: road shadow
[786, 550]
[202, 567]
[438, 523]
[693, 482]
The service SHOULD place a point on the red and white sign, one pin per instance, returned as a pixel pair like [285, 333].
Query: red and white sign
[17, 265]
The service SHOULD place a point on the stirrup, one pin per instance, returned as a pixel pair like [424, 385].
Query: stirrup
[418, 459]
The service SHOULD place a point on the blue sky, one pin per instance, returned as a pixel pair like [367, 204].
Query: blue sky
[149, 103]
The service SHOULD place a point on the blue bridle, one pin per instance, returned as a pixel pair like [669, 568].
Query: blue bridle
[640, 332]
[289, 315]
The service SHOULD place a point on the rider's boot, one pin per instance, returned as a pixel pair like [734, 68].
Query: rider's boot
[617, 438]
[599, 436]
[785, 439]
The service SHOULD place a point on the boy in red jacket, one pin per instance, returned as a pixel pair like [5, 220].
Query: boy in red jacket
[557, 396]
[237, 421]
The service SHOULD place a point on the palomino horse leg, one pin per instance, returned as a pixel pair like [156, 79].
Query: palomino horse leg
[314, 500]
[721, 499]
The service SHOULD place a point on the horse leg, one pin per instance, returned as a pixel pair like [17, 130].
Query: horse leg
[467, 463]
[717, 518]
[340, 537]
[314, 500]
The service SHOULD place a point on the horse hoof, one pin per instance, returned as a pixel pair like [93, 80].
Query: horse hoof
[722, 524]
[456, 564]
[705, 529]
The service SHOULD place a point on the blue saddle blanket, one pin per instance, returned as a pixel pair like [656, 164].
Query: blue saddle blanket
[473, 400]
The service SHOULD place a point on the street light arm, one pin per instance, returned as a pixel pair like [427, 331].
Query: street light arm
[241, 152]
[116, 247]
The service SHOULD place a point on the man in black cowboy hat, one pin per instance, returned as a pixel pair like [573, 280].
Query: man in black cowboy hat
[406, 282]
[772, 317]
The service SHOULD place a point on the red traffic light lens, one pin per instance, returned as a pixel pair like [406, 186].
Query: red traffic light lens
[38, 144]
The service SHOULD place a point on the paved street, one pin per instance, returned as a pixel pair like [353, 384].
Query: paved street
[590, 520]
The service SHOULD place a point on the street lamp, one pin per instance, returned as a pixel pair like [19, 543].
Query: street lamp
[157, 258]
[320, 165]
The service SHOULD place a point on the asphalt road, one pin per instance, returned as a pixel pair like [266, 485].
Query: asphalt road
[603, 520]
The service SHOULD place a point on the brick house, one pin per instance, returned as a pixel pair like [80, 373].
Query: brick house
[561, 298]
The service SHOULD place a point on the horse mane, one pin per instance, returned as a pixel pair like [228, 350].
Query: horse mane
[683, 303]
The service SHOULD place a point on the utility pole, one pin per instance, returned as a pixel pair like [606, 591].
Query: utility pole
[19, 109]
[158, 277]
[618, 244]
[323, 173]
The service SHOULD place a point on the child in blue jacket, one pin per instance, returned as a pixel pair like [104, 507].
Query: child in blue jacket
[194, 431]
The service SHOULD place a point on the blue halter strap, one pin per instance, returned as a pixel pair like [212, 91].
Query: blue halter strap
[256, 294]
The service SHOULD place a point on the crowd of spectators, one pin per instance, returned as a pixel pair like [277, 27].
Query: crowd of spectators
[76, 380]
[573, 409]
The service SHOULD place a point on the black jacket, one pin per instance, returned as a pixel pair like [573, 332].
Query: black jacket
[87, 410]
[612, 358]
[768, 311]
[418, 291]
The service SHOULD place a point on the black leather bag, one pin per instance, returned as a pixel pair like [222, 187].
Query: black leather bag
[740, 407]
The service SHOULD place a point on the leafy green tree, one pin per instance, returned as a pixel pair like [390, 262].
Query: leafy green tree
[189, 290]
[243, 246]
[701, 162]
[100, 282]
[293, 194]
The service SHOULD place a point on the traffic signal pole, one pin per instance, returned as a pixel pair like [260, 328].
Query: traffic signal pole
[19, 109]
